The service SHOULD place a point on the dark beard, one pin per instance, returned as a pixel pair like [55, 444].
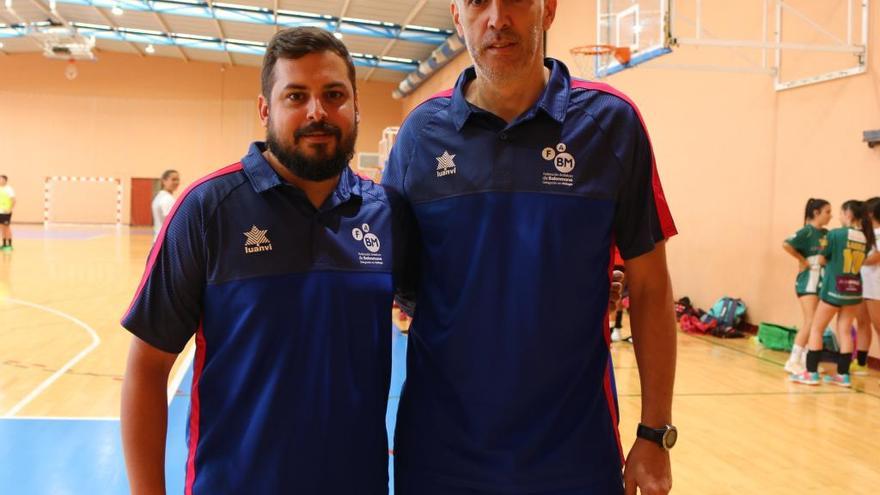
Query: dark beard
[320, 167]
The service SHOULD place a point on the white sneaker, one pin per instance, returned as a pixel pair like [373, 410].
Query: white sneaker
[794, 367]
[615, 335]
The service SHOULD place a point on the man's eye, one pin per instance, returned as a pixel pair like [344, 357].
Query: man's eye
[297, 96]
[335, 95]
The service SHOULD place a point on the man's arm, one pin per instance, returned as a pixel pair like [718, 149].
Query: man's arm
[144, 416]
[652, 317]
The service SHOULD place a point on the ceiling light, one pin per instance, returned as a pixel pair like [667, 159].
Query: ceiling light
[337, 35]
[117, 10]
[150, 49]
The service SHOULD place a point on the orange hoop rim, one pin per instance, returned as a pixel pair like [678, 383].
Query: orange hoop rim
[621, 53]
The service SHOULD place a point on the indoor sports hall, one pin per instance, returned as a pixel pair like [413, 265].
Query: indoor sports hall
[753, 108]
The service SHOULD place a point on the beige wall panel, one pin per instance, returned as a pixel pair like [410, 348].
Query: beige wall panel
[127, 116]
[739, 160]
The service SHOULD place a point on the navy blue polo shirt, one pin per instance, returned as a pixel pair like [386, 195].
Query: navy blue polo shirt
[508, 387]
[291, 309]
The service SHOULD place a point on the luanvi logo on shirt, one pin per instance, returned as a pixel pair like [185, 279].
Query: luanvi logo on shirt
[564, 164]
[445, 165]
[371, 242]
[256, 241]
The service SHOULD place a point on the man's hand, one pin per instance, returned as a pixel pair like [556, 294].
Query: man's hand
[648, 469]
[617, 279]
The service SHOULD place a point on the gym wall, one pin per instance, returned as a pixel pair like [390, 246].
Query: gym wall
[128, 116]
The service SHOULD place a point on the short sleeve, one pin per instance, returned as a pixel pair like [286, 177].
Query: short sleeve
[828, 249]
[799, 240]
[167, 307]
[167, 204]
[10, 191]
[642, 218]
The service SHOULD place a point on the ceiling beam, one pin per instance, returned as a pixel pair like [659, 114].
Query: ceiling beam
[342, 13]
[388, 46]
[267, 17]
[167, 30]
[114, 26]
[220, 30]
[21, 20]
[10, 13]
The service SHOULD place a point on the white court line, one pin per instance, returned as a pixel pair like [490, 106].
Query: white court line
[174, 384]
[49, 381]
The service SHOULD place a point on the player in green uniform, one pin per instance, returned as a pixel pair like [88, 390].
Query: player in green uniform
[841, 292]
[806, 245]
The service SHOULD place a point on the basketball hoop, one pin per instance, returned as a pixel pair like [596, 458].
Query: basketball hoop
[590, 57]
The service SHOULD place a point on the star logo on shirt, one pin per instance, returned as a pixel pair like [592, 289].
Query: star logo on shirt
[445, 164]
[256, 240]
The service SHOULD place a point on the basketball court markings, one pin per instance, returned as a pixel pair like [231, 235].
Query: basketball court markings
[96, 341]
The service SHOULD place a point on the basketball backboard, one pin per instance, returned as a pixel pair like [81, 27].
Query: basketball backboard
[640, 25]
[797, 42]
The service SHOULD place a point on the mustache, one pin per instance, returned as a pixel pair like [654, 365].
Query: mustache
[318, 128]
[500, 37]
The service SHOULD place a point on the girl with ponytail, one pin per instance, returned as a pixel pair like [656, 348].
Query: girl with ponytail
[840, 293]
[869, 310]
[805, 246]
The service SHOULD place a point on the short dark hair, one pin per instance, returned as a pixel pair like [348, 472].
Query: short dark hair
[166, 174]
[298, 42]
[4, 177]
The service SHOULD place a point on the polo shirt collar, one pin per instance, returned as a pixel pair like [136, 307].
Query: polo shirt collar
[553, 99]
[263, 177]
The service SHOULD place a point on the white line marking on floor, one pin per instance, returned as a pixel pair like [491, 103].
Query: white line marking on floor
[70, 364]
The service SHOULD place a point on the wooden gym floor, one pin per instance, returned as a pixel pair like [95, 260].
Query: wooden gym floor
[743, 428]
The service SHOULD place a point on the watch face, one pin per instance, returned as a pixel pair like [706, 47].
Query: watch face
[670, 437]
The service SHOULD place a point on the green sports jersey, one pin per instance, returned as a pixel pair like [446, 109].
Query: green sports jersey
[845, 253]
[809, 242]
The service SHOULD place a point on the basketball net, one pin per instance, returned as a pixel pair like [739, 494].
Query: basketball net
[590, 58]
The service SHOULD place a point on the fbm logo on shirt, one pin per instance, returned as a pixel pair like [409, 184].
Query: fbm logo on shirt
[563, 162]
[256, 241]
[371, 242]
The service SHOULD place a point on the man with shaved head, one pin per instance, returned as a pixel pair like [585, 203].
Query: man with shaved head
[523, 180]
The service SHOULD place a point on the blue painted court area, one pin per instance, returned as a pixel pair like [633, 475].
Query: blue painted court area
[48, 456]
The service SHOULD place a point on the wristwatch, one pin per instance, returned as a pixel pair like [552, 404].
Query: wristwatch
[665, 437]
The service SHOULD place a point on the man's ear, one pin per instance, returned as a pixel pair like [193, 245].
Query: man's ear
[549, 14]
[263, 110]
[453, 8]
